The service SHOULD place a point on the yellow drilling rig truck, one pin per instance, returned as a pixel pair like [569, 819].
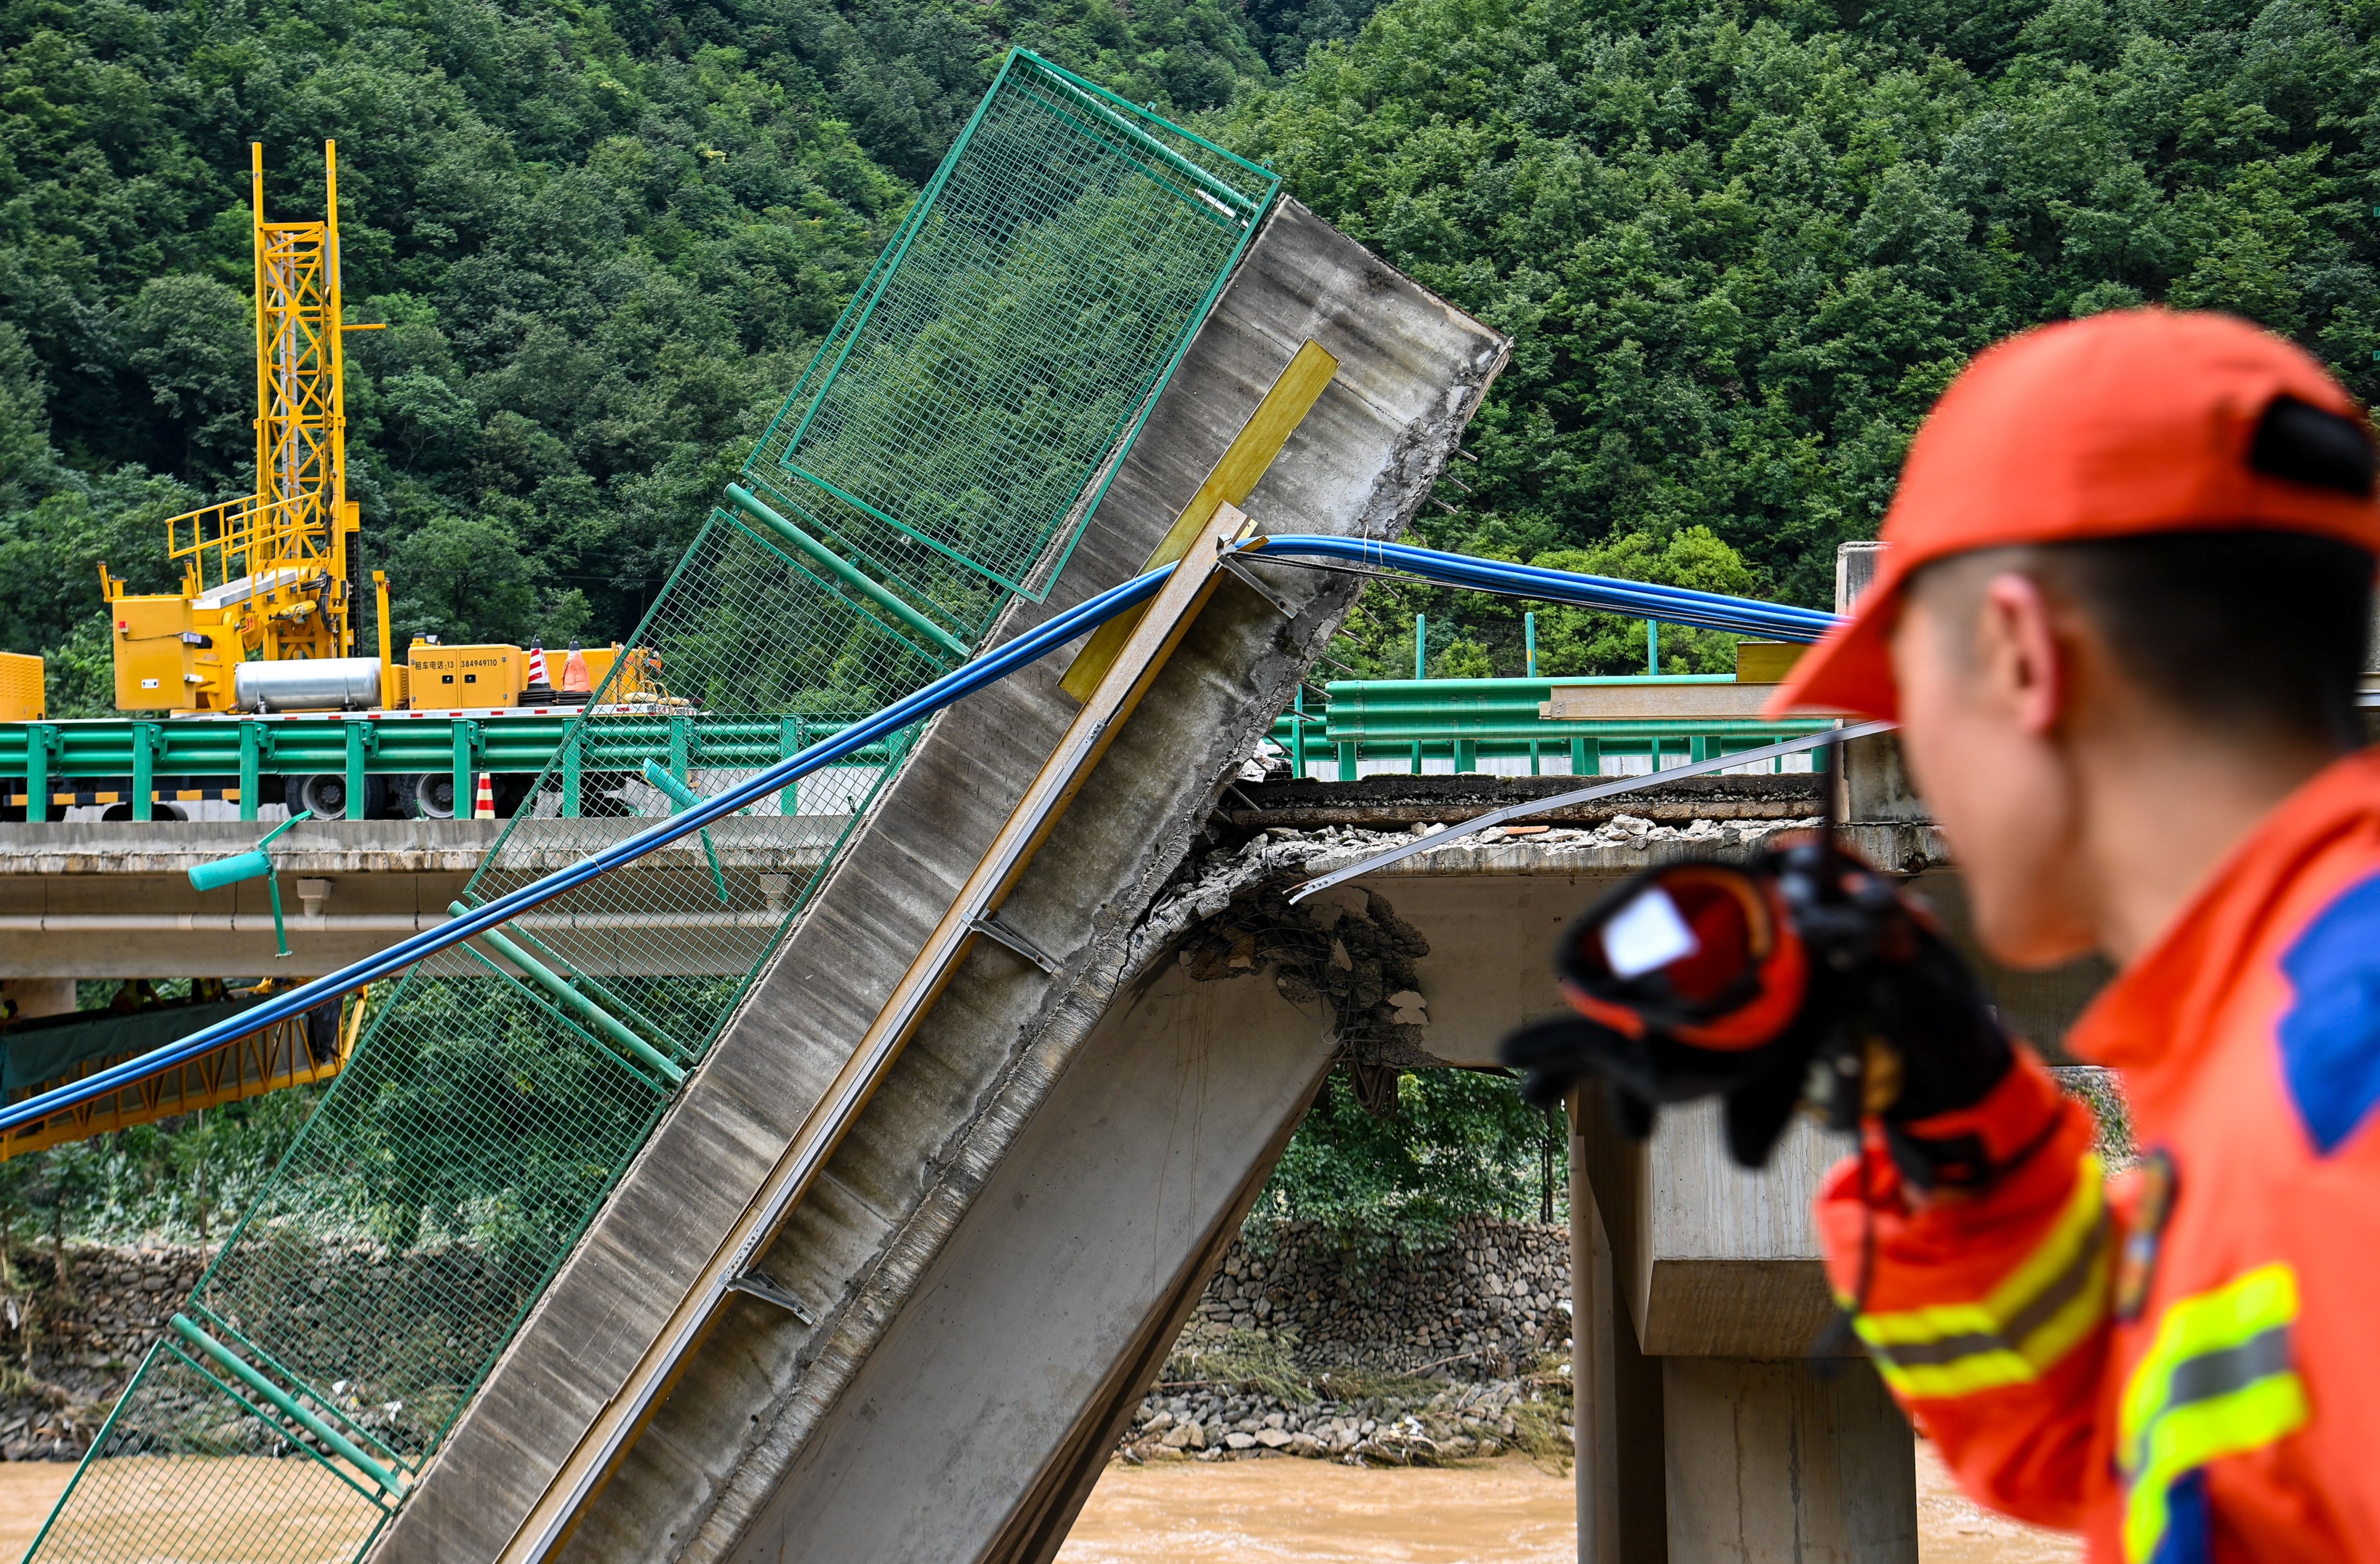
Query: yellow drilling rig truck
[265, 617]
[266, 613]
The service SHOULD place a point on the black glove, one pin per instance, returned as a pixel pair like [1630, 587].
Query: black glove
[1801, 976]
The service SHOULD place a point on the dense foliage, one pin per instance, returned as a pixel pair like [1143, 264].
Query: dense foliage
[1459, 1143]
[1740, 247]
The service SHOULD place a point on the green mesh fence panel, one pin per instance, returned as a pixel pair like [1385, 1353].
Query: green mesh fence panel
[939, 456]
[967, 407]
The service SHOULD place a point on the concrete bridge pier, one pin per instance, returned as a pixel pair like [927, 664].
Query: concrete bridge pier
[1716, 1438]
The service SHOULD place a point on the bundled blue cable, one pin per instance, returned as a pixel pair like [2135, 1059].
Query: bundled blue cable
[1672, 605]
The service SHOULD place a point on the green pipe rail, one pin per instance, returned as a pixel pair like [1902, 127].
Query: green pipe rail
[1466, 721]
[144, 753]
[1459, 721]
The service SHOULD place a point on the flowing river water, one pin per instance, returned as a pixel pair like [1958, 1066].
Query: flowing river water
[1503, 1512]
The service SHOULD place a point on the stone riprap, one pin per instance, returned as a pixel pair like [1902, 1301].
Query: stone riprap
[1486, 1304]
[68, 1355]
[1422, 1424]
[1456, 1351]
[1480, 1311]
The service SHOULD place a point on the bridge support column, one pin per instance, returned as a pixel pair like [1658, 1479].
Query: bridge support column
[1781, 1464]
[1617, 1390]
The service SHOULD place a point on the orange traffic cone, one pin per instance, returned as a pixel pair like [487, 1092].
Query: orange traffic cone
[483, 804]
[575, 678]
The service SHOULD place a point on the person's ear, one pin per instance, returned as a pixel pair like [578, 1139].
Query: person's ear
[2018, 651]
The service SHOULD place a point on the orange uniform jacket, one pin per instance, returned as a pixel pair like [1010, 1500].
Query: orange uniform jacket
[2184, 1362]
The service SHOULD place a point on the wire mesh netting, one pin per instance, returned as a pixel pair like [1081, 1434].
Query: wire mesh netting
[501, 1085]
[1010, 342]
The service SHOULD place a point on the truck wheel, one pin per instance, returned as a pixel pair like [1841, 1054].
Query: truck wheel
[325, 794]
[427, 795]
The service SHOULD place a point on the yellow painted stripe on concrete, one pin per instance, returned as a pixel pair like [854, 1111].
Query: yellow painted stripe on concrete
[1233, 477]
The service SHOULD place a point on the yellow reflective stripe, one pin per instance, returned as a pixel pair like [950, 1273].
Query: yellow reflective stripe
[2216, 1381]
[2191, 1436]
[1965, 1376]
[2032, 1318]
[2246, 1306]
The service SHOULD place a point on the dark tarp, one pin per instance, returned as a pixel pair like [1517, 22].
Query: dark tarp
[47, 1050]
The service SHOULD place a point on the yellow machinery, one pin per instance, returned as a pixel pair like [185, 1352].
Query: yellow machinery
[303, 1052]
[264, 578]
[21, 697]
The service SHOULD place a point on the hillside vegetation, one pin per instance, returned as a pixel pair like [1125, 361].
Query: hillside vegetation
[1740, 247]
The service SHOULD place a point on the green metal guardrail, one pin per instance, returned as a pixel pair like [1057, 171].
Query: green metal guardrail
[1461, 720]
[1466, 721]
[144, 758]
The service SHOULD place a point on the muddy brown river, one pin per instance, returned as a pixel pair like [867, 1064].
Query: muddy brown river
[1504, 1512]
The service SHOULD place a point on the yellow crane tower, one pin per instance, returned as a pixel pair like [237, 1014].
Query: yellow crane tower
[265, 615]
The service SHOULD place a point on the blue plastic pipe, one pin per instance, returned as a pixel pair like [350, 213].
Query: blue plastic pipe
[1675, 605]
[953, 686]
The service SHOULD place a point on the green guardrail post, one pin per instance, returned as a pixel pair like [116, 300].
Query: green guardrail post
[684, 799]
[580, 1004]
[39, 738]
[1421, 671]
[251, 769]
[359, 736]
[1586, 758]
[843, 570]
[681, 751]
[1466, 755]
[573, 748]
[465, 731]
[254, 864]
[144, 770]
[286, 1405]
[1298, 734]
[1529, 670]
[1348, 753]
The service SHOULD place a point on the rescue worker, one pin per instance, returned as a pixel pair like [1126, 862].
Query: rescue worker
[2121, 619]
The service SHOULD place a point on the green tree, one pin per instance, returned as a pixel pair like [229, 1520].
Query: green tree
[193, 341]
[1460, 1143]
[464, 581]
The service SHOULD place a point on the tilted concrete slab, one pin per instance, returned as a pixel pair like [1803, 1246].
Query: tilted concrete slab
[757, 1397]
[974, 1428]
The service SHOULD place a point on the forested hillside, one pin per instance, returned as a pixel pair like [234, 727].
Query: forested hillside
[1740, 247]
[605, 239]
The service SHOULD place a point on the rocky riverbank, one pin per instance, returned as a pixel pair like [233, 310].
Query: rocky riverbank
[1399, 1355]
[66, 1353]
[1457, 1352]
